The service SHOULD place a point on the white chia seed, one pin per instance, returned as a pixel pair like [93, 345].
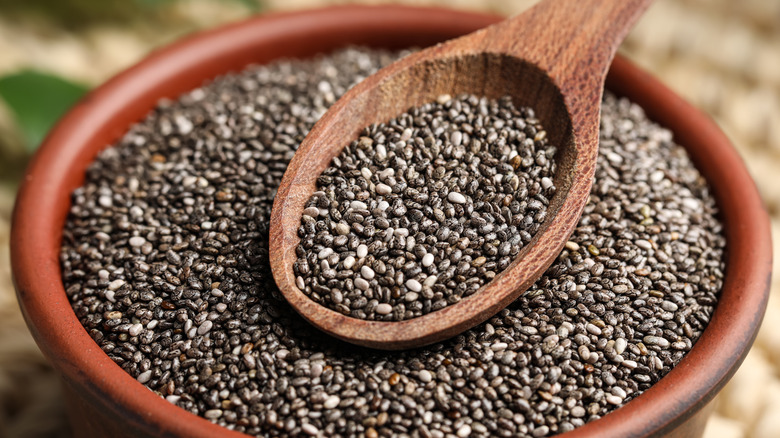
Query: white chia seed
[456, 198]
[383, 309]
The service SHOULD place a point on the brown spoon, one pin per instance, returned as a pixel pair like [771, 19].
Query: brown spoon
[552, 58]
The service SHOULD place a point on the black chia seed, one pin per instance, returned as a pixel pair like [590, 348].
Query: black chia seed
[165, 260]
[422, 211]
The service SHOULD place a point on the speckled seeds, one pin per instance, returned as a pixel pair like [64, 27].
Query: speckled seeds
[165, 260]
[423, 210]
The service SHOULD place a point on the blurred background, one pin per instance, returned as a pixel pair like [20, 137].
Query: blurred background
[722, 55]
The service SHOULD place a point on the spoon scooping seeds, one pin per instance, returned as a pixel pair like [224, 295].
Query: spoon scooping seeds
[552, 58]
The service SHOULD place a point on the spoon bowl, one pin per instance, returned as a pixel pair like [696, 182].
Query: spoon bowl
[553, 59]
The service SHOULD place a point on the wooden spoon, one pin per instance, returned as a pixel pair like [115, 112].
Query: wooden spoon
[553, 58]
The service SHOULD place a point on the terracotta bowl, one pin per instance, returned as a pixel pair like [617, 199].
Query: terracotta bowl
[105, 401]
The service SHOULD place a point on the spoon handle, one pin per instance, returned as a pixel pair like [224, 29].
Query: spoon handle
[568, 39]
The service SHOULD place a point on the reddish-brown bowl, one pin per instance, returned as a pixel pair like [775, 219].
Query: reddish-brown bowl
[105, 401]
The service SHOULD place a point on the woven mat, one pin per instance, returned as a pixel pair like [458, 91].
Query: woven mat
[722, 55]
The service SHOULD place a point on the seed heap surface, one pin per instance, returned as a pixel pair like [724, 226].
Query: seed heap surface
[422, 211]
[165, 260]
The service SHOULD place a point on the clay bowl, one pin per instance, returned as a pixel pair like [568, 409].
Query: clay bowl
[105, 401]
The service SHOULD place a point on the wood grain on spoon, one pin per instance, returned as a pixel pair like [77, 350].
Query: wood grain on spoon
[552, 58]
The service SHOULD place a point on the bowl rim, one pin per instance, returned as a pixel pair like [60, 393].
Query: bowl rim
[106, 112]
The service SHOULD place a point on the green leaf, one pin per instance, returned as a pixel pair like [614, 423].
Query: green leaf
[38, 100]
[254, 6]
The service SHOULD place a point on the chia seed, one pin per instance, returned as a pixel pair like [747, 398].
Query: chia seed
[455, 194]
[193, 312]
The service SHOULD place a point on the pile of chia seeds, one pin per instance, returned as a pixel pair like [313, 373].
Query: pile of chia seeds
[165, 260]
[425, 209]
